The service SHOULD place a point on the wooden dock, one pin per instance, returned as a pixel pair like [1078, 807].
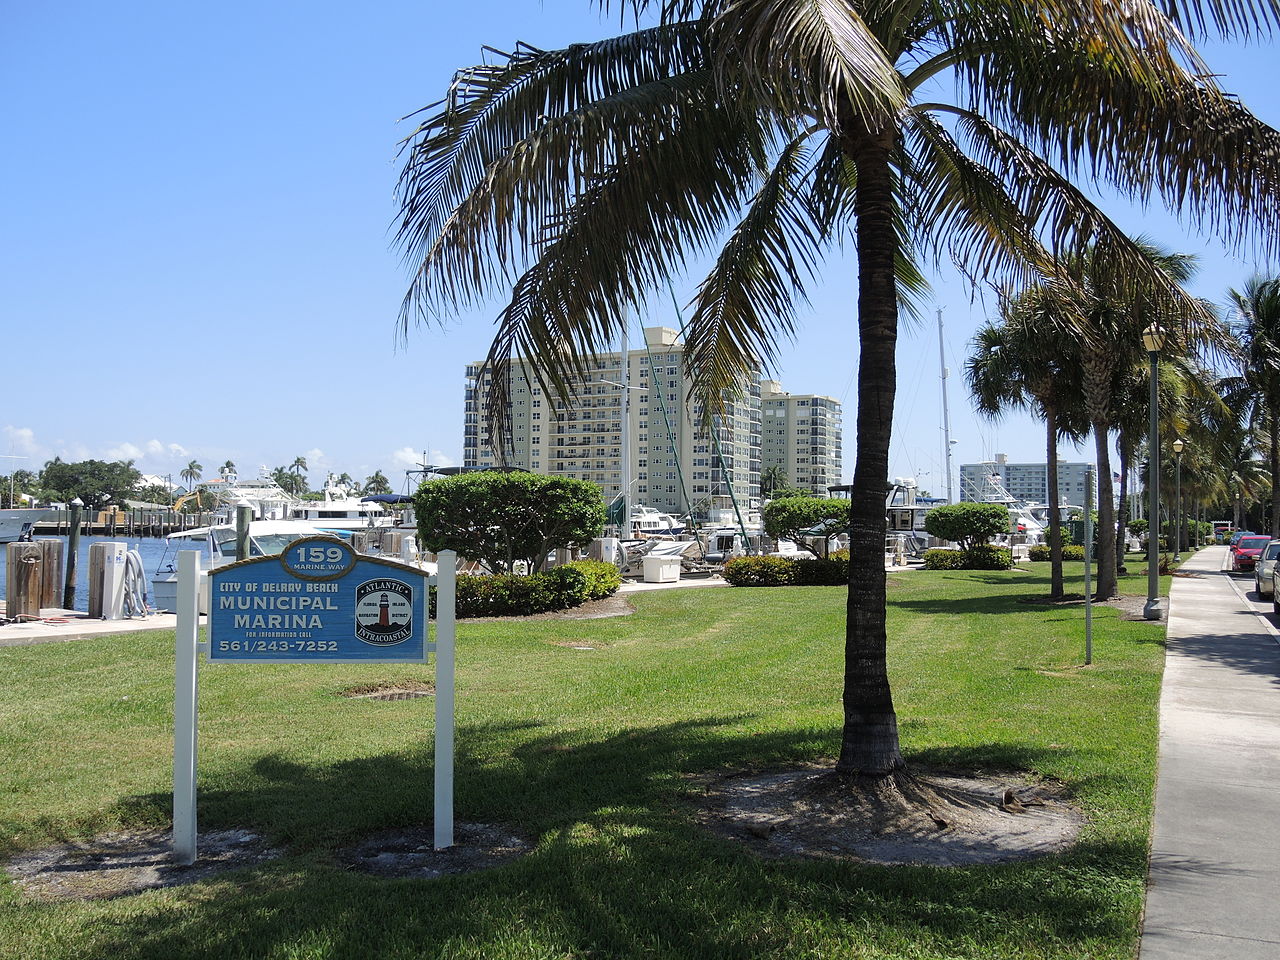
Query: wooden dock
[124, 523]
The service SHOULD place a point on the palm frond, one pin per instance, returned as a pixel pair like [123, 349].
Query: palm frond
[629, 233]
[806, 57]
[542, 122]
[745, 305]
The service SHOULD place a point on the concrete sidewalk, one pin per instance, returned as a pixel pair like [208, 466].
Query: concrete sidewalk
[1214, 883]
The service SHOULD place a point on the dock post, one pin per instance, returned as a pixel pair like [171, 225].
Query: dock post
[73, 555]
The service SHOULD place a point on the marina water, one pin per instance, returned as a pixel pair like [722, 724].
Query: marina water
[152, 549]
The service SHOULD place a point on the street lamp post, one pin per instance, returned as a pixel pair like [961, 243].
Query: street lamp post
[1178, 446]
[1153, 340]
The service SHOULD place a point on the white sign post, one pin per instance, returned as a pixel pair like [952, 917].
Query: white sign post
[186, 685]
[446, 617]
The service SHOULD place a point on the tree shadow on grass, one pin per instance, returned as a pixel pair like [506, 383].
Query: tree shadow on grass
[620, 869]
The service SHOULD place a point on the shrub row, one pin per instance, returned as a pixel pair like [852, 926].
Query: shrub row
[1070, 551]
[833, 571]
[981, 557]
[510, 595]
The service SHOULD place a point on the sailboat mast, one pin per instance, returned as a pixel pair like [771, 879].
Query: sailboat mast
[946, 414]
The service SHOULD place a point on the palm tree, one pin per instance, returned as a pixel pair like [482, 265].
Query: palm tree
[191, 473]
[587, 178]
[377, 483]
[228, 467]
[1256, 391]
[773, 478]
[298, 467]
[1026, 362]
[1107, 314]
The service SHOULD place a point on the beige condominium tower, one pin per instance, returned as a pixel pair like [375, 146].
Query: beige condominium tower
[801, 440]
[678, 464]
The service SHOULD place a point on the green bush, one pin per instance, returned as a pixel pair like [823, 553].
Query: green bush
[603, 579]
[832, 571]
[981, 557]
[761, 571]
[943, 560]
[1070, 551]
[986, 557]
[967, 524]
[510, 595]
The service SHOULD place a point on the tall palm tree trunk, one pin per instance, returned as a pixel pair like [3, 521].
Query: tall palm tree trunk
[1097, 394]
[1056, 588]
[1125, 449]
[1275, 474]
[1108, 585]
[869, 743]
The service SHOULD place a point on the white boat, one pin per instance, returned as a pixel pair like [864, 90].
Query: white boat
[646, 522]
[1023, 522]
[217, 544]
[269, 500]
[339, 509]
[267, 538]
[18, 524]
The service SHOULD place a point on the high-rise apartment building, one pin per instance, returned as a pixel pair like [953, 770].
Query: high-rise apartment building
[1024, 481]
[801, 436]
[675, 464]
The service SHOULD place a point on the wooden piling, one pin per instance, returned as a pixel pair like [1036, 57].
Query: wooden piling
[97, 567]
[23, 582]
[51, 574]
[73, 558]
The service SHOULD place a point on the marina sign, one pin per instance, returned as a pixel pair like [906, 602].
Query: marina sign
[317, 602]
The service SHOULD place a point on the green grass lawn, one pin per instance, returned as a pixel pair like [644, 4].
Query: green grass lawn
[589, 753]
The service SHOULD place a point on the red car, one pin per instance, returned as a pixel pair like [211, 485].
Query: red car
[1245, 553]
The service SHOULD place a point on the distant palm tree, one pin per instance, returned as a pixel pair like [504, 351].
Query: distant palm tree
[229, 467]
[191, 474]
[1026, 362]
[1256, 391]
[299, 467]
[377, 483]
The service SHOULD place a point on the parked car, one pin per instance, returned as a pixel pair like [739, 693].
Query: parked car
[1244, 555]
[1238, 535]
[1264, 569]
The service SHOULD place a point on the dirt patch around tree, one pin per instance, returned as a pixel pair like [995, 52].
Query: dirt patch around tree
[118, 864]
[936, 819]
[1131, 608]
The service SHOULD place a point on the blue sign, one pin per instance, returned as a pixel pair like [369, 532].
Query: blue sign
[318, 602]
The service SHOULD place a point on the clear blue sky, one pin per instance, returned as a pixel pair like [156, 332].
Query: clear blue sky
[195, 256]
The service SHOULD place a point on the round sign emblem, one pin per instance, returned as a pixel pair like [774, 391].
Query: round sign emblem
[384, 611]
[318, 558]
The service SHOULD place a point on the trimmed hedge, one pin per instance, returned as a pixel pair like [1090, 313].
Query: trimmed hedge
[982, 557]
[832, 571]
[510, 595]
[760, 571]
[1070, 551]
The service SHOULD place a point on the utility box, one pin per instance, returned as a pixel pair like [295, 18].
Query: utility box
[106, 579]
[661, 569]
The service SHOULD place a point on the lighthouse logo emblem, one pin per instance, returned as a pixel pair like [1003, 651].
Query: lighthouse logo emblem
[384, 612]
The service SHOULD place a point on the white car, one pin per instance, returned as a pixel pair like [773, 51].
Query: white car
[1265, 570]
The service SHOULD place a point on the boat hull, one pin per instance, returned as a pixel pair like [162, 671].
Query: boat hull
[17, 525]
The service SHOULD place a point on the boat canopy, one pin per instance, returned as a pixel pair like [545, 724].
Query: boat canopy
[387, 498]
